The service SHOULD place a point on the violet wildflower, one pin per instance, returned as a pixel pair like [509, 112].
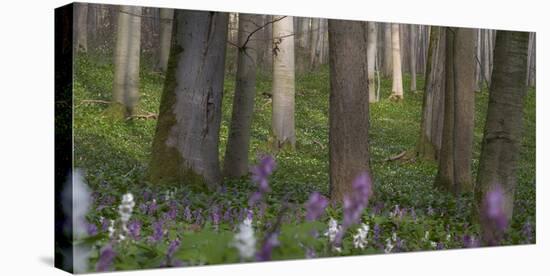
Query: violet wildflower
[104, 224]
[267, 247]
[355, 203]
[187, 214]
[172, 247]
[173, 210]
[527, 231]
[494, 208]
[91, 229]
[215, 215]
[376, 232]
[470, 241]
[134, 229]
[260, 173]
[106, 258]
[315, 206]
[152, 207]
[310, 253]
[158, 231]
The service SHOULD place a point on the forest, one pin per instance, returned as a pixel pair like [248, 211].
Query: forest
[205, 137]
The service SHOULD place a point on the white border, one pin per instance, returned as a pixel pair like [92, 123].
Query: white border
[26, 133]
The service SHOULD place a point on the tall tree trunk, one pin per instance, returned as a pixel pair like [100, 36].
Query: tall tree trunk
[454, 172]
[397, 79]
[127, 57]
[82, 27]
[412, 61]
[429, 143]
[166, 18]
[348, 106]
[282, 119]
[265, 46]
[388, 52]
[371, 59]
[501, 144]
[185, 146]
[314, 43]
[236, 154]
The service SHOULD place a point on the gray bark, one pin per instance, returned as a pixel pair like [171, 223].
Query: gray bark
[185, 147]
[82, 27]
[397, 79]
[348, 105]
[412, 56]
[371, 59]
[388, 60]
[238, 141]
[166, 18]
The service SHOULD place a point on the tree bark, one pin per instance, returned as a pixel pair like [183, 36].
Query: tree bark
[348, 106]
[127, 58]
[82, 27]
[397, 79]
[429, 143]
[387, 65]
[371, 59]
[238, 141]
[412, 61]
[454, 172]
[501, 144]
[284, 134]
[185, 146]
[166, 18]
[314, 45]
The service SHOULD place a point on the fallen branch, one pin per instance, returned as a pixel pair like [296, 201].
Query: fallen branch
[93, 101]
[149, 115]
[396, 157]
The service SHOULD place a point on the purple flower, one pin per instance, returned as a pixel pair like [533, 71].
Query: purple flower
[172, 247]
[104, 224]
[187, 214]
[315, 206]
[158, 231]
[310, 253]
[215, 214]
[494, 208]
[91, 229]
[260, 173]
[173, 211]
[355, 203]
[106, 258]
[527, 231]
[267, 247]
[470, 241]
[134, 229]
[376, 231]
[152, 208]
[198, 216]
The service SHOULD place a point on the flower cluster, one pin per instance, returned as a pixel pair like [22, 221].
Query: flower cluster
[360, 239]
[244, 240]
[333, 231]
[355, 203]
[260, 174]
[315, 206]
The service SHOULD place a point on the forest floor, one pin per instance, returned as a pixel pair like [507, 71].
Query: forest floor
[117, 153]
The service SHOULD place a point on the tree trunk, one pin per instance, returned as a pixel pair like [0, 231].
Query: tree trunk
[412, 61]
[166, 18]
[397, 80]
[185, 146]
[127, 57]
[282, 120]
[371, 59]
[454, 172]
[429, 143]
[348, 106]
[82, 27]
[236, 155]
[501, 144]
[387, 65]
[314, 44]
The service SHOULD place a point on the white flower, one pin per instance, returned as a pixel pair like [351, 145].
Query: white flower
[125, 208]
[360, 239]
[333, 229]
[433, 244]
[448, 238]
[394, 237]
[244, 240]
[111, 228]
[389, 246]
[426, 236]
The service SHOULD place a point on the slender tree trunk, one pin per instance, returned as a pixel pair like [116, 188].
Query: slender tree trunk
[454, 173]
[314, 45]
[236, 155]
[371, 59]
[397, 79]
[166, 18]
[282, 118]
[429, 143]
[82, 27]
[388, 51]
[127, 57]
[412, 61]
[265, 46]
[501, 144]
[349, 105]
[185, 146]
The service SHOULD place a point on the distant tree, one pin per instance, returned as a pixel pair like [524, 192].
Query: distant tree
[127, 58]
[185, 147]
[371, 59]
[388, 52]
[501, 143]
[282, 119]
[236, 155]
[431, 130]
[348, 106]
[314, 43]
[412, 57]
[166, 18]
[82, 27]
[454, 172]
[397, 79]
